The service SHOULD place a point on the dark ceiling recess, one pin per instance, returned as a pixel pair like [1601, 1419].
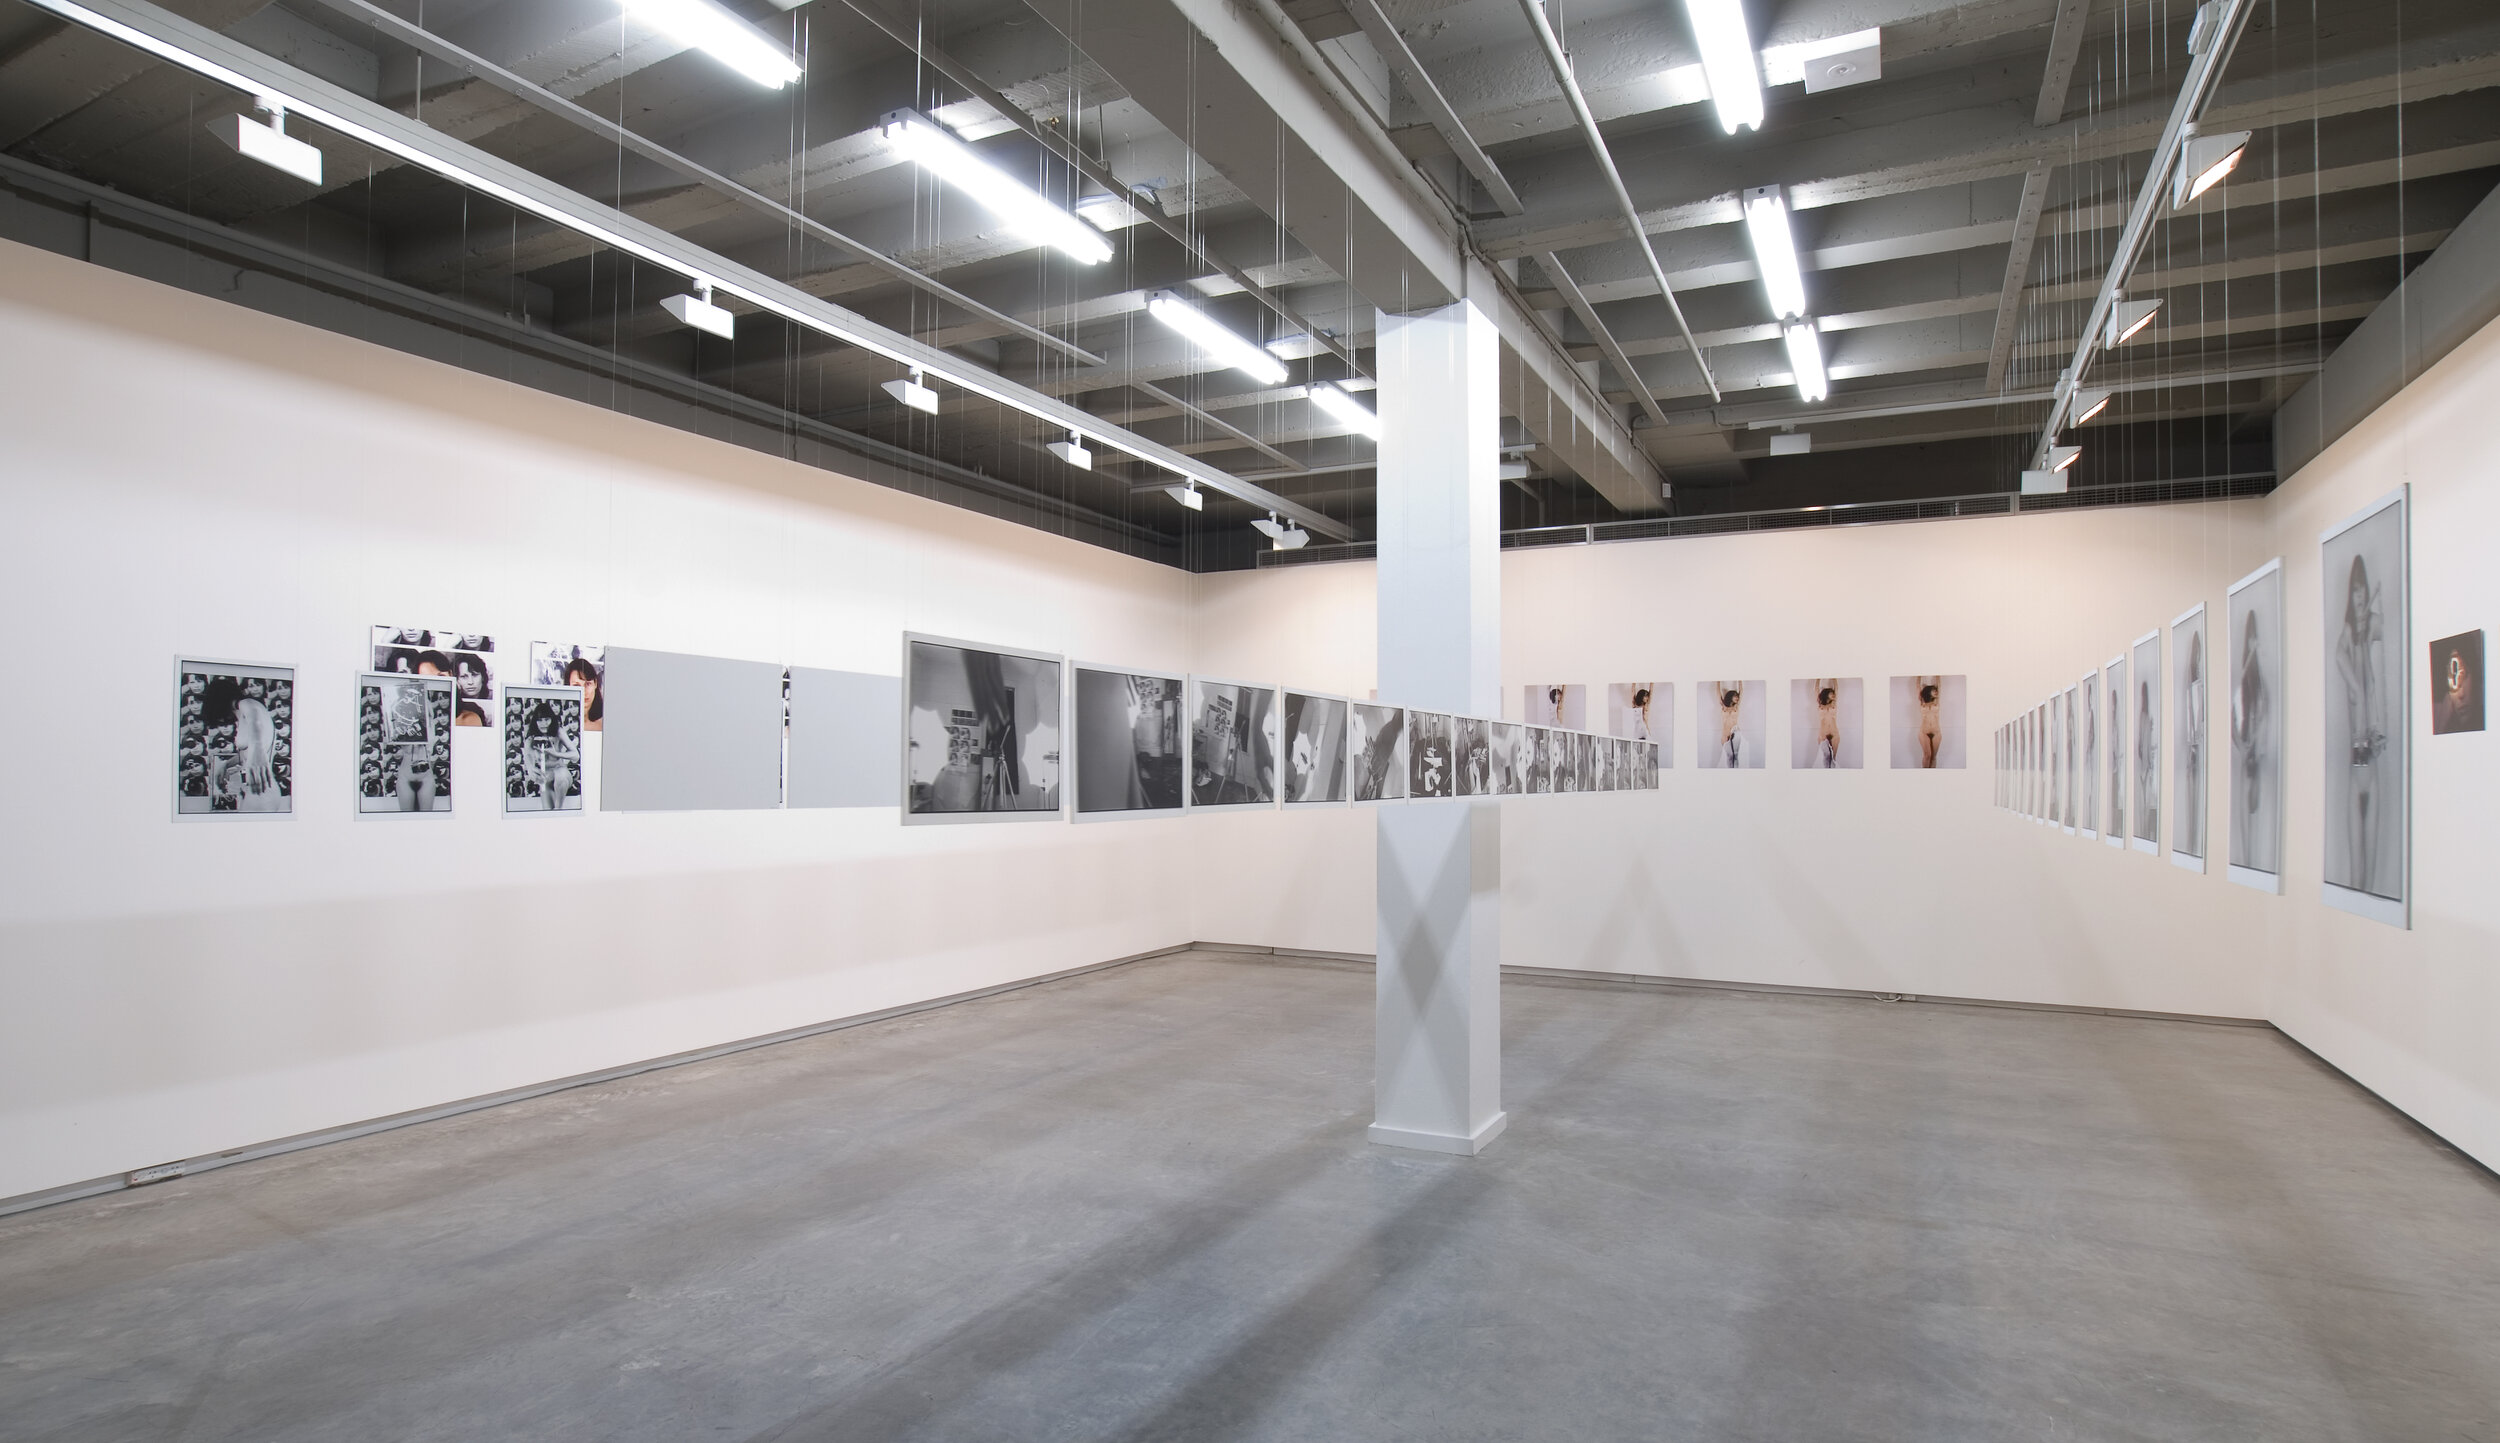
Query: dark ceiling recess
[1956, 206]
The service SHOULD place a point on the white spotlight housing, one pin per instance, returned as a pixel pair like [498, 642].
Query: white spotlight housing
[1775, 251]
[1211, 336]
[268, 142]
[2203, 162]
[1190, 497]
[911, 392]
[1073, 451]
[697, 310]
[1334, 399]
[2044, 483]
[2062, 458]
[1283, 535]
[2088, 404]
[707, 27]
[1025, 211]
[2127, 319]
[1805, 358]
[1727, 61]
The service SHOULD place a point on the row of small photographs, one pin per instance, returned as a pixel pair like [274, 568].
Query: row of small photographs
[234, 742]
[983, 740]
[468, 659]
[1826, 720]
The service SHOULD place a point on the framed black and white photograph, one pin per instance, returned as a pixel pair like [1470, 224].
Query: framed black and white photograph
[565, 663]
[1826, 723]
[542, 751]
[234, 739]
[467, 657]
[981, 732]
[2363, 581]
[2070, 760]
[1659, 757]
[1431, 755]
[1376, 753]
[1537, 769]
[1315, 749]
[2114, 695]
[2059, 781]
[2254, 635]
[1234, 735]
[1930, 723]
[2190, 737]
[1730, 726]
[1471, 743]
[403, 745]
[1128, 754]
[2088, 756]
[2457, 684]
[1510, 759]
[1557, 704]
[2144, 726]
[1583, 762]
[1642, 711]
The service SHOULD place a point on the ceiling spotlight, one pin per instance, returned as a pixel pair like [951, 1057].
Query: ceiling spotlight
[2203, 162]
[2063, 457]
[1212, 338]
[1190, 497]
[1805, 358]
[268, 142]
[2089, 404]
[2126, 319]
[697, 310]
[1025, 210]
[912, 392]
[2044, 483]
[1775, 251]
[1073, 451]
[723, 36]
[1332, 398]
[1284, 535]
[1727, 61]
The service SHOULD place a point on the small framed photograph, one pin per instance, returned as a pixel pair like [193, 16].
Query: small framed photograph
[403, 744]
[1129, 742]
[1376, 753]
[1315, 731]
[2457, 684]
[981, 732]
[1234, 732]
[542, 751]
[234, 739]
[1431, 743]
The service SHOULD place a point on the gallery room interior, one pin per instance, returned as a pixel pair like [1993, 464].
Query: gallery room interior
[918, 719]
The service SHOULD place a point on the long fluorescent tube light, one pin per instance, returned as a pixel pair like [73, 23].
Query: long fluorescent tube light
[1727, 60]
[1211, 336]
[2203, 162]
[1775, 251]
[1332, 398]
[2127, 319]
[721, 35]
[1805, 357]
[269, 143]
[1026, 211]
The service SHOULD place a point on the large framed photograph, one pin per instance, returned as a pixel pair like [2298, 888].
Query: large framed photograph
[1431, 772]
[1930, 723]
[234, 739]
[2088, 756]
[1128, 755]
[1315, 749]
[1729, 726]
[2114, 751]
[2070, 760]
[2059, 782]
[2253, 620]
[467, 657]
[1510, 759]
[981, 732]
[2363, 579]
[542, 751]
[2144, 722]
[1641, 711]
[1827, 723]
[1376, 753]
[1233, 740]
[2189, 734]
[403, 745]
[1557, 704]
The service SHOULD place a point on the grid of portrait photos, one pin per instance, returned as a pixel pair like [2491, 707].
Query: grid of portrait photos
[234, 739]
[565, 663]
[468, 658]
[542, 750]
[403, 744]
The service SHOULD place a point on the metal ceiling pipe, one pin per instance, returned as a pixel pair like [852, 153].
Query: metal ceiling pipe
[1561, 64]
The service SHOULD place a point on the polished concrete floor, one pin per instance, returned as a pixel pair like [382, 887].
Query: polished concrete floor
[1139, 1205]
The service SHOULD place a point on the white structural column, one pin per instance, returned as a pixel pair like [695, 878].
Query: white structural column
[1438, 1078]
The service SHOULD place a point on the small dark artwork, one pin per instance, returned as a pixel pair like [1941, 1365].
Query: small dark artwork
[2457, 683]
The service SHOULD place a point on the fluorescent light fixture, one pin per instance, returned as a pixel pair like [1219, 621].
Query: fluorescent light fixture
[1190, 497]
[1727, 58]
[2063, 457]
[2089, 404]
[2203, 162]
[1332, 398]
[697, 310]
[1805, 358]
[1284, 535]
[2126, 320]
[2044, 483]
[1073, 451]
[1211, 337]
[1775, 251]
[1025, 210]
[269, 143]
[910, 391]
[721, 35]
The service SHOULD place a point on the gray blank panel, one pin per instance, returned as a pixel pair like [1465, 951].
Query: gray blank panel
[846, 739]
[689, 733]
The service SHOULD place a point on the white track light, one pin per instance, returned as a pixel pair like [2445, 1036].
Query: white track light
[1775, 252]
[2063, 458]
[1332, 398]
[268, 142]
[697, 310]
[1283, 535]
[2203, 162]
[912, 392]
[2127, 319]
[2044, 483]
[1727, 61]
[721, 35]
[1190, 497]
[2088, 404]
[1073, 451]
[1025, 210]
[1805, 358]
[1211, 337]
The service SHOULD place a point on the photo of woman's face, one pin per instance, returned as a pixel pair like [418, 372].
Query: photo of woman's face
[472, 678]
